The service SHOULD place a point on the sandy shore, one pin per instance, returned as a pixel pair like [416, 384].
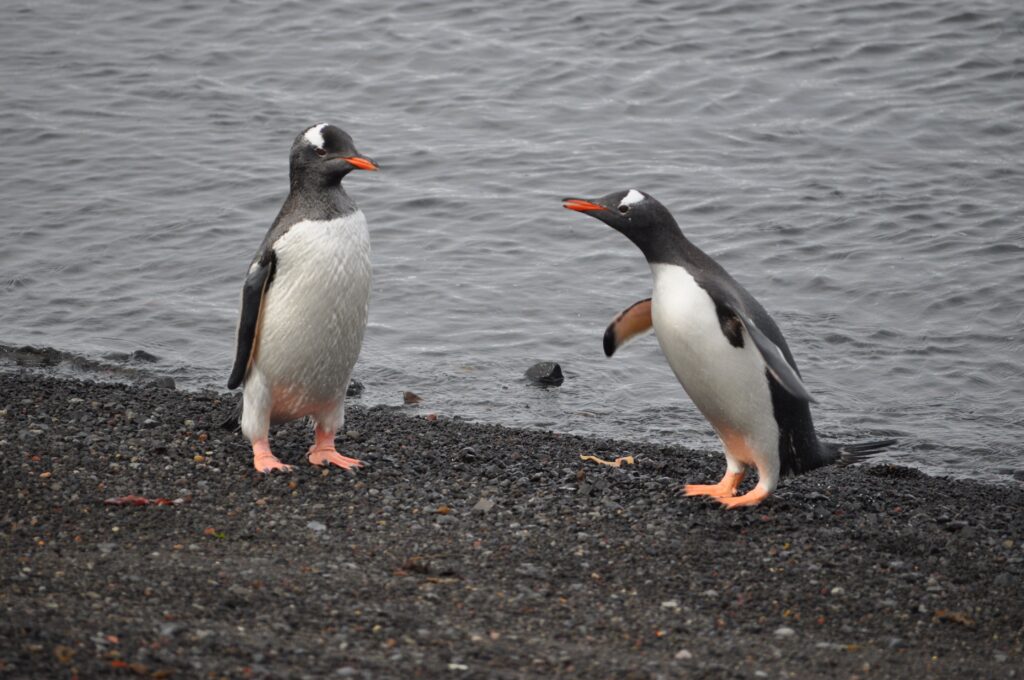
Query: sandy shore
[472, 551]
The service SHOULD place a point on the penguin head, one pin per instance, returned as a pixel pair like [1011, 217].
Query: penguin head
[324, 153]
[637, 215]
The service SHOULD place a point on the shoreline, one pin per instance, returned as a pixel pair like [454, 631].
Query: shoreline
[473, 550]
[141, 369]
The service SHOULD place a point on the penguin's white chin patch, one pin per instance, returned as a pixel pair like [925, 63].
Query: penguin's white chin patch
[630, 198]
[315, 135]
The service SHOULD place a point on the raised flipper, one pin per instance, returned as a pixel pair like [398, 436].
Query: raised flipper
[631, 322]
[260, 274]
[775, 360]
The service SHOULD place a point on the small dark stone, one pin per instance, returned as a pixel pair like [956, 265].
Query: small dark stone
[143, 355]
[443, 568]
[163, 382]
[355, 388]
[546, 373]
[36, 356]
[116, 356]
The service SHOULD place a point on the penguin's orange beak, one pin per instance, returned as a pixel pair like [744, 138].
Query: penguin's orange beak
[361, 162]
[580, 205]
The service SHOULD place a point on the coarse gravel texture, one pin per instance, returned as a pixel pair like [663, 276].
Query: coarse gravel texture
[472, 551]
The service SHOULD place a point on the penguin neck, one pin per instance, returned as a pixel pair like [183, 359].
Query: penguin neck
[319, 201]
[671, 247]
[666, 246]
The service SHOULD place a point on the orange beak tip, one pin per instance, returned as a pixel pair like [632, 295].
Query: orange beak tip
[580, 205]
[362, 163]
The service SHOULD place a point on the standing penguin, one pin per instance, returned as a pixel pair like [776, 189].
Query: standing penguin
[305, 302]
[724, 348]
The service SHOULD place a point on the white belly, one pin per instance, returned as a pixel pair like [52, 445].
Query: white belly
[314, 314]
[726, 383]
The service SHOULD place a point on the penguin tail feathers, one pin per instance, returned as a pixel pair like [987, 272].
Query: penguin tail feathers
[233, 422]
[849, 454]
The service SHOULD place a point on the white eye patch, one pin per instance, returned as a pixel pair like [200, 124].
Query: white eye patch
[632, 197]
[315, 135]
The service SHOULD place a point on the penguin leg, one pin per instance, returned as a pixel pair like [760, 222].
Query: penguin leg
[323, 452]
[256, 401]
[767, 480]
[737, 455]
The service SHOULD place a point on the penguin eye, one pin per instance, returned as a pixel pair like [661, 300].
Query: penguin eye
[320, 151]
[623, 209]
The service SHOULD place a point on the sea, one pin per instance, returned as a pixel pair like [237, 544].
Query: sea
[857, 165]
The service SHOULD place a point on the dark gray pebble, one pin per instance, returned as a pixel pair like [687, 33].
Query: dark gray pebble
[546, 373]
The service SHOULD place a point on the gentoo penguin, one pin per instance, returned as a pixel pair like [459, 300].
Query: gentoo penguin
[724, 348]
[305, 301]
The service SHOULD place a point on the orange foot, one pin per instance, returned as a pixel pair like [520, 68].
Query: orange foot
[752, 497]
[322, 457]
[725, 488]
[323, 452]
[263, 460]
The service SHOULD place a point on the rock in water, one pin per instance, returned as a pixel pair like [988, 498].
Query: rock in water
[355, 388]
[34, 356]
[546, 373]
[144, 356]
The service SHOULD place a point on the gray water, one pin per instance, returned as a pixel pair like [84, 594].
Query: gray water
[856, 165]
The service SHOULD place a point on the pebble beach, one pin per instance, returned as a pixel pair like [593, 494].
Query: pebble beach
[139, 542]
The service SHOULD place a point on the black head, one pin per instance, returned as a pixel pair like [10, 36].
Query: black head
[637, 215]
[323, 154]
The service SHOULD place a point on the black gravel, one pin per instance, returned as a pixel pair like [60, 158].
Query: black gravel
[472, 551]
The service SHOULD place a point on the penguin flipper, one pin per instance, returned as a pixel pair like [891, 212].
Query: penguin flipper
[632, 321]
[774, 359]
[253, 290]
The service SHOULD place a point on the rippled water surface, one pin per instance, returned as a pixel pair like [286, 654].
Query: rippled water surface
[857, 165]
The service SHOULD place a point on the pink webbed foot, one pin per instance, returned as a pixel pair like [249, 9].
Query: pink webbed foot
[324, 453]
[265, 461]
[334, 458]
[724, 489]
[752, 497]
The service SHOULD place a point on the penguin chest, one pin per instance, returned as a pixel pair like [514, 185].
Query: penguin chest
[315, 308]
[727, 383]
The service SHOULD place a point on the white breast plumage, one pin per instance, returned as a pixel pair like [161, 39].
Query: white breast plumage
[727, 383]
[314, 312]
